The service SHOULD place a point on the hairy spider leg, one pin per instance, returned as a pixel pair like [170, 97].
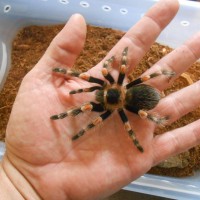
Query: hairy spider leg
[105, 70]
[85, 76]
[129, 129]
[91, 106]
[94, 123]
[123, 67]
[148, 77]
[158, 120]
[90, 89]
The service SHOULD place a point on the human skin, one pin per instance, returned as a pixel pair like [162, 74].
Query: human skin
[41, 161]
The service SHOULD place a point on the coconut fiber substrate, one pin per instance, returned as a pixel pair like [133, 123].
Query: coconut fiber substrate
[31, 43]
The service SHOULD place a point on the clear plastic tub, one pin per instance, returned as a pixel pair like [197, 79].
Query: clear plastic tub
[115, 14]
[2, 149]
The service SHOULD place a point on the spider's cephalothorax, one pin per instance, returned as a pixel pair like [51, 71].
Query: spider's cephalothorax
[111, 95]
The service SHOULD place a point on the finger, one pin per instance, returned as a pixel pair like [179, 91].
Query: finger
[179, 60]
[176, 141]
[141, 36]
[67, 45]
[180, 103]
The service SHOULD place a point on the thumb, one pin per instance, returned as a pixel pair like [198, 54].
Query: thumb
[67, 45]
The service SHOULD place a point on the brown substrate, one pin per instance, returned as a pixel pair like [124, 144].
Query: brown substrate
[30, 44]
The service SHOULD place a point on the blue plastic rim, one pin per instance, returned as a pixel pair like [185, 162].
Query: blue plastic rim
[116, 14]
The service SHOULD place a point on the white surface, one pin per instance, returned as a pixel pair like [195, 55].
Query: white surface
[116, 14]
[2, 149]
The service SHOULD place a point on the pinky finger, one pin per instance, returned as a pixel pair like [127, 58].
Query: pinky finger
[176, 141]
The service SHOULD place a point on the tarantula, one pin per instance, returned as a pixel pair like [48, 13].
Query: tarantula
[135, 97]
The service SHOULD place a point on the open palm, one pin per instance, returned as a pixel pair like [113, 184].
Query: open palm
[104, 159]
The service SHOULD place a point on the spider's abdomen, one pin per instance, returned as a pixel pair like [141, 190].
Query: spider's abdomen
[141, 97]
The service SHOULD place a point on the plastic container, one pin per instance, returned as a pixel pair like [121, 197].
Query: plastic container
[116, 14]
[2, 149]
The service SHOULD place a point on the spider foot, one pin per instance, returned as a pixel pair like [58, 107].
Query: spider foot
[91, 89]
[168, 73]
[129, 130]
[132, 82]
[59, 70]
[161, 121]
[65, 71]
[75, 111]
[81, 133]
[59, 116]
[92, 124]
[158, 120]
[135, 141]
[123, 66]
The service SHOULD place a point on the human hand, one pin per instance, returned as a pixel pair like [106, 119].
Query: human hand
[104, 159]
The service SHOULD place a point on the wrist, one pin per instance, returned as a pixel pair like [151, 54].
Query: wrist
[13, 185]
[7, 189]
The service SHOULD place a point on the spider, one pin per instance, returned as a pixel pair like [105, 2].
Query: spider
[111, 96]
